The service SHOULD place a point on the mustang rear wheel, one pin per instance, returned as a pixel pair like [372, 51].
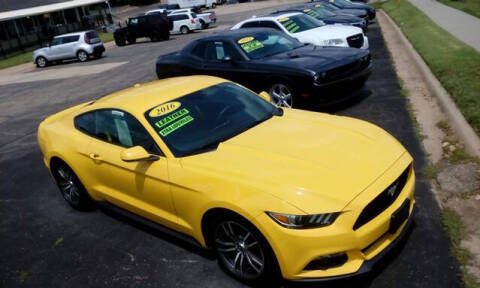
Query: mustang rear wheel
[243, 251]
[71, 188]
[282, 95]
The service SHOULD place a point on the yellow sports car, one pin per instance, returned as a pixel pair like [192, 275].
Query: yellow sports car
[297, 194]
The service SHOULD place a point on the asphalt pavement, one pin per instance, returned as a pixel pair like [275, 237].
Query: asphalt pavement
[45, 243]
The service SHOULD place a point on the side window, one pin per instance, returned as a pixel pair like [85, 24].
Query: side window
[250, 24]
[199, 50]
[268, 24]
[217, 50]
[142, 20]
[133, 21]
[56, 41]
[183, 17]
[70, 39]
[231, 51]
[116, 127]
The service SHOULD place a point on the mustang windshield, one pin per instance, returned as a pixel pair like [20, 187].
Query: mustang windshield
[200, 121]
[299, 23]
[264, 44]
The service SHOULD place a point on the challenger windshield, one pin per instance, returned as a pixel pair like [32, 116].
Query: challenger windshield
[200, 121]
[264, 44]
[299, 23]
[318, 13]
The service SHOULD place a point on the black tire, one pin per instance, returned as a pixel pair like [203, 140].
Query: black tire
[155, 37]
[70, 187]
[82, 56]
[166, 35]
[120, 41]
[204, 25]
[131, 40]
[41, 62]
[279, 87]
[256, 264]
[184, 30]
[97, 55]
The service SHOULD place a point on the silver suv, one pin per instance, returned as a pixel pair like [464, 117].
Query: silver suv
[80, 45]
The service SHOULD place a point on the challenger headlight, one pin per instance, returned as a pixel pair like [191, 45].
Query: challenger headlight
[333, 42]
[319, 77]
[303, 221]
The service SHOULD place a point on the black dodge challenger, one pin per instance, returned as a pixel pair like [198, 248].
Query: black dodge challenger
[264, 59]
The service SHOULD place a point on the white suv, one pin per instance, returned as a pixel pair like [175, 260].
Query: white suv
[80, 45]
[185, 23]
[310, 30]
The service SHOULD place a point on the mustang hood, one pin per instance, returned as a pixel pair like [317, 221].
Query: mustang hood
[316, 58]
[312, 161]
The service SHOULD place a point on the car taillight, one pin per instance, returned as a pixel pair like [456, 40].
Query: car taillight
[192, 20]
[87, 40]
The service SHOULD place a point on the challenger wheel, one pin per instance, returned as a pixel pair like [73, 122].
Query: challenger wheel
[243, 251]
[120, 41]
[71, 188]
[41, 62]
[282, 95]
[82, 56]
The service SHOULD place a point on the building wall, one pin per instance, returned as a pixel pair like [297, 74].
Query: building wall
[24, 34]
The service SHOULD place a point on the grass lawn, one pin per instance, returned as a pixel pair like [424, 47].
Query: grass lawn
[468, 6]
[455, 64]
[105, 37]
[15, 60]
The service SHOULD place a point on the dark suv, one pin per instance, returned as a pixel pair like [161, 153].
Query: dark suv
[156, 27]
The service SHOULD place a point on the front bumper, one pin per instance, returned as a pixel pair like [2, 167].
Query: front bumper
[295, 249]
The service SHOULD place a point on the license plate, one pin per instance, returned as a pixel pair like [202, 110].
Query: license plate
[399, 216]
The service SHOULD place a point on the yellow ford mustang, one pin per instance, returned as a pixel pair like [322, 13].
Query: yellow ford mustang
[273, 192]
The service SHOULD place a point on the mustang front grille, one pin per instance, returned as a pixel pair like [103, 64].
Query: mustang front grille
[382, 201]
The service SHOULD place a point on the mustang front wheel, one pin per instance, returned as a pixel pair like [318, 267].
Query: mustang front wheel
[71, 188]
[243, 251]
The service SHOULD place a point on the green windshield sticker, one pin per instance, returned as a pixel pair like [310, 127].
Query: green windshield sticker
[176, 125]
[251, 46]
[313, 13]
[172, 117]
[290, 25]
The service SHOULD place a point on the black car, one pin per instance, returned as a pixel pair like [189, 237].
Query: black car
[345, 4]
[326, 16]
[265, 59]
[351, 12]
[155, 26]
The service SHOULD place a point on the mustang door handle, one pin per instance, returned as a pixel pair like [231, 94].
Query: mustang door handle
[95, 157]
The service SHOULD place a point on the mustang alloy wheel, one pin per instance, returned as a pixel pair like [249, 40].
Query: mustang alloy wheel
[71, 188]
[240, 250]
[281, 95]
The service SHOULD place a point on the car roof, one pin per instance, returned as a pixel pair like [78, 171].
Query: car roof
[235, 34]
[272, 17]
[143, 97]
[72, 34]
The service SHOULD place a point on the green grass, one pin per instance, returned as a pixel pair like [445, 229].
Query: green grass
[105, 37]
[431, 171]
[457, 231]
[471, 7]
[455, 64]
[16, 60]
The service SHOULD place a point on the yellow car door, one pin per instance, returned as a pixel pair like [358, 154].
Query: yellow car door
[141, 187]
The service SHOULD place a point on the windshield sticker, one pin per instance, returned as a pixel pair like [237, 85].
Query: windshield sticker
[164, 109]
[284, 19]
[252, 46]
[318, 6]
[176, 125]
[312, 13]
[291, 26]
[172, 117]
[245, 40]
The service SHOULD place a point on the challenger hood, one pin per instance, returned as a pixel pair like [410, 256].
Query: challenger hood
[315, 162]
[316, 58]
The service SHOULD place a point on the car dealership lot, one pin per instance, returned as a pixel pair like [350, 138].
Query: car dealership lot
[47, 244]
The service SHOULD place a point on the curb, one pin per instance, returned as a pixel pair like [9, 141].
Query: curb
[455, 118]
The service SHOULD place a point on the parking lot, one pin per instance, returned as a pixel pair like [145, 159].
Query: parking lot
[47, 244]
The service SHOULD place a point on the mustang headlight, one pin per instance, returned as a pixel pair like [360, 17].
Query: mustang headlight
[303, 221]
[333, 42]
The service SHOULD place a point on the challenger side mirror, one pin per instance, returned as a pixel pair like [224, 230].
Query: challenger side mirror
[265, 96]
[137, 153]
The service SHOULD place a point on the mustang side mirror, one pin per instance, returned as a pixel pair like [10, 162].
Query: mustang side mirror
[265, 96]
[137, 153]
[227, 59]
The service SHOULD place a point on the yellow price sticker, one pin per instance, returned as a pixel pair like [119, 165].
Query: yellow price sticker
[164, 109]
[284, 19]
[245, 40]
